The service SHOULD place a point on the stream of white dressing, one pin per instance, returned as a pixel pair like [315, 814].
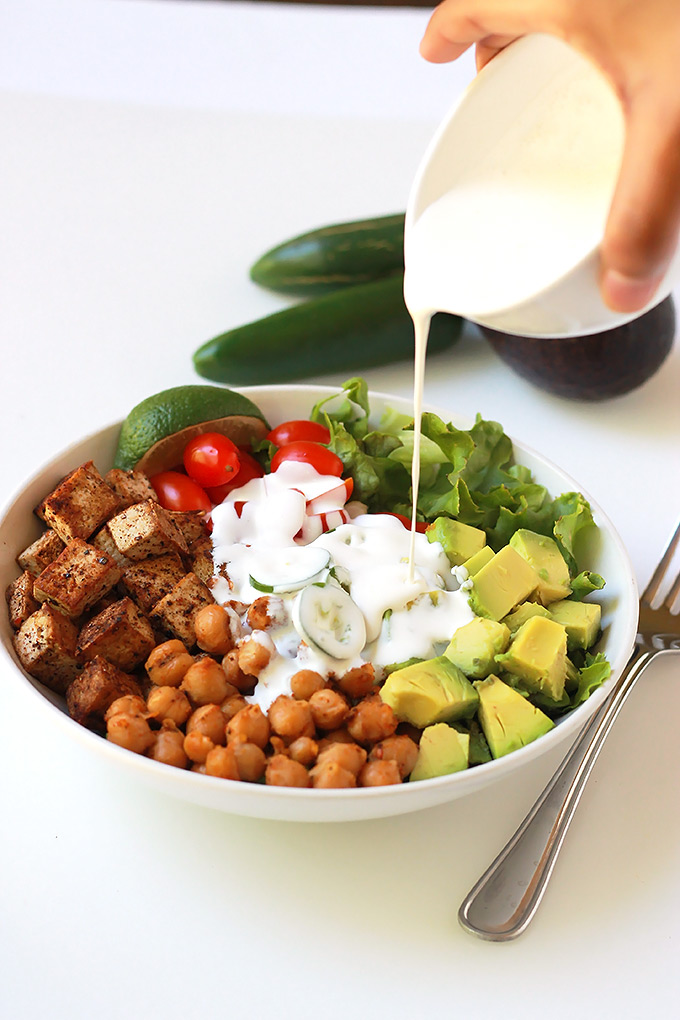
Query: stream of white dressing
[409, 596]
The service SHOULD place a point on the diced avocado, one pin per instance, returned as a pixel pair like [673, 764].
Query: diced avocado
[459, 541]
[475, 645]
[573, 675]
[509, 721]
[479, 560]
[429, 692]
[581, 620]
[545, 557]
[523, 613]
[442, 750]
[538, 656]
[502, 584]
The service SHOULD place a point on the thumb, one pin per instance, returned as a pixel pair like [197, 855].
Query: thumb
[644, 219]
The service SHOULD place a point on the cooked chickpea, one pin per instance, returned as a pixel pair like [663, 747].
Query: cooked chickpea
[197, 747]
[249, 725]
[168, 663]
[329, 775]
[205, 682]
[379, 773]
[371, 720]
[168, 703]
[213, 630]
[305, 682]
[304, 750]
[291, 718]
[263, 612]
[329, 709]
[283, 771]
[348, 756]
[234, 674]
[253, 656]
[209, 720]
[358, 682]
[221, 761]
[399, 748]
[250, 761]
[231, 705]
[129, 704]
[339, 736]
[129, 731]
[168, 746]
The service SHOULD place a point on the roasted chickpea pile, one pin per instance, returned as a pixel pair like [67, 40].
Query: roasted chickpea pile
[330, 732]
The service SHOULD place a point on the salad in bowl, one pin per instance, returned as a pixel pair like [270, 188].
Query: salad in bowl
[247, 611]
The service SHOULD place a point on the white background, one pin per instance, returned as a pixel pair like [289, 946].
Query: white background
[150, 152]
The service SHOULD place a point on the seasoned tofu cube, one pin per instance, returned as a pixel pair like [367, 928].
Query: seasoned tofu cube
[46, 647]
[201, 560]
[41, 552]
[77, 579]
[20, 601]
[95, 689]
[130, 486]
[146, 529]
[120, 633]
[103, 540]
[175, 612]
[147, 582]
[191, 523]
[80, 504]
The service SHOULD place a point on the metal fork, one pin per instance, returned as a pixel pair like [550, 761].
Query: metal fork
[504, 900]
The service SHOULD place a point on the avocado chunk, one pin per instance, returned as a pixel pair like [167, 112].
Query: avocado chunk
[475, 645]
[505, 581]
[508, 720]
[517, 617]
[442, 750]
[543, 554]
[581, 620]
[429, 692]
[479, 560]
[459, 541]
[538, 656]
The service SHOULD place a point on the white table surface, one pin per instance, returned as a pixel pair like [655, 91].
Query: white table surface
[150, 152]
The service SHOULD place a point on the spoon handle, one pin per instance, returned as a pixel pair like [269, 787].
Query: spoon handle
[501, 904]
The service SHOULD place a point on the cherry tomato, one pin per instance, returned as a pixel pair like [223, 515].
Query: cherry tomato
[420, 525]
[176, 491]
[321, 459]
[211, 459]
[249, 469]
[294, 431]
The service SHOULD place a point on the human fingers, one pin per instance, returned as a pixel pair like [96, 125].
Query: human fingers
[644, 219]
[455, 25]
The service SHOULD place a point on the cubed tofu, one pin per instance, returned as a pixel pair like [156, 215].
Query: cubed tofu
[191, 523]
[40, 553]
[121, 633]
[175, 612]
[130, 486]
[80, 504]
[103, 540]
[149, 581]
[146, 529]
[95, 689]
[201, 559]
[46, 647]
[77, 579]
[20, 601]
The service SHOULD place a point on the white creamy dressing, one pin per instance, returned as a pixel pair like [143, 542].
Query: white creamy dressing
[409, 608]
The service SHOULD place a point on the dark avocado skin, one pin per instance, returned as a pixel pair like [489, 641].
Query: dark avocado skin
[593, 367]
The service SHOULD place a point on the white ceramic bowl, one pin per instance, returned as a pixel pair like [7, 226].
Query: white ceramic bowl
[606, 555]
[532, 98]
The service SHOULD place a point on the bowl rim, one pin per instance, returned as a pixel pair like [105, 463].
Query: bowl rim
[460, 783]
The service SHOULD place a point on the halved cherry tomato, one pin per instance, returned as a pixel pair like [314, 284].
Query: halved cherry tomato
[420, 525]
[294, 431]
[176, 491]
[211, 459]
[249, 469]
[321, 459]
